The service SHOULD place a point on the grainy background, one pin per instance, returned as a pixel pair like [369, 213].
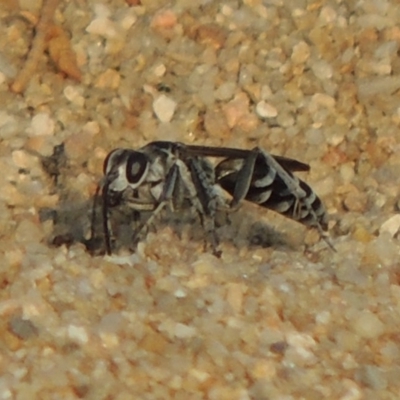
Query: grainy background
[279, 316]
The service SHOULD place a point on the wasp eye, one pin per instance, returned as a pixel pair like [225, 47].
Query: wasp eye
[136, 167]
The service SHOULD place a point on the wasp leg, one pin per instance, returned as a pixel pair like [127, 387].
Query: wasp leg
[244, 178]
[166, 197]
[207, 201]
[106, 228]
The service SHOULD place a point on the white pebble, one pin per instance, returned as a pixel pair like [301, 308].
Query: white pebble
[72, 94]
[101, 11]
[303, 345]
[300, 340]
[103, 27]
[266, 110]
[322, 70]
[266, 92]
[127, 20]
[78, 333]
[391, 225]
[28, 231]
[368, 325]
[322, 100]
[323, 317]
[183, 331]
[327, 15]
[22, 159]
[180, 293]
[91, 127]
[41, 124]
[347, 172]
[164, 108]
[301, 53]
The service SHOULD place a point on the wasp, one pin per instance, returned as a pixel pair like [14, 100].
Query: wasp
[172, 174]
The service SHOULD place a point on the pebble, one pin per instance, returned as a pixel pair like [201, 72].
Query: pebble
[351, 391]
[236, 109]
[391, 225]
[127, 20]
[22, 328]
[285, 119]
[8, 125]
[41, 124]
[356, 201]
[225, 91]
[347, 172]
[159, 70]
[27, 230]
[300, 340]
[322, 70]
[183, 331]
[367, 325]
[303, 346]
[91, 127]
[373, 21]
[387, 50]
[383, 85]
[314, 136]
[31, 5]
[43, 145]
[327, 15]
[22, 159]
[109, 340]
[103, 27]
[164, 19]
[321, 100]
[73, 94]
[78, 144]
[3, 78]
[211, 35]
[7, 69]
[164, 108]
[234, 296]
[374, 377]
[101, 11]
[264, 369]
[266, 92]
[301, 53]
[78, 333]
[266, 110]
[109, 79]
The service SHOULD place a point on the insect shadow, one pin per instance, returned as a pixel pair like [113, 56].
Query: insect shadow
[73, 223]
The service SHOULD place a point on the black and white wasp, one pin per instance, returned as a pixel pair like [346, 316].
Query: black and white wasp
[176, 175]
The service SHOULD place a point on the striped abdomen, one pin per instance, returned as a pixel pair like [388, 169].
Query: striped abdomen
[268, 188]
